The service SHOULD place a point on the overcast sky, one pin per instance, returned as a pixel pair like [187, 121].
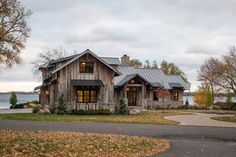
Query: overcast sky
[185, 32]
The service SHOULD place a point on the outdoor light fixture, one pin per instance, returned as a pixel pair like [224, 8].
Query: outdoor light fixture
[132, 81]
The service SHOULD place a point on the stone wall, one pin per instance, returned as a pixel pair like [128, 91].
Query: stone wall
[165, 104]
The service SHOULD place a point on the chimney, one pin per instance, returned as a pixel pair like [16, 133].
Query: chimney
[125, 60]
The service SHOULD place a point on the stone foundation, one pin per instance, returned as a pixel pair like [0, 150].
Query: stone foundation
[165, 104]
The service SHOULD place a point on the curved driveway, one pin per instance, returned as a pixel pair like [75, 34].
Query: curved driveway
[186, 141]
[200, 119]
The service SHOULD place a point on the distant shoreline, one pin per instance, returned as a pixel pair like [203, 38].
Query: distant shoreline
[216, 94]
[19, 92]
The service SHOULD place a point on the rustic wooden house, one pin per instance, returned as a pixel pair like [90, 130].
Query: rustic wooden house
[92, 82]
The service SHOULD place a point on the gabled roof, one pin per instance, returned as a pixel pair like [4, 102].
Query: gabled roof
[80, 55]
[127, 78]
[109, 60]
[155, 77]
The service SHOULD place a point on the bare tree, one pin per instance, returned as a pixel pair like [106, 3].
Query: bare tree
[136, 63]
[226, 71]
[45, 56]
[220, 72]
[13, 31]
[208, 75]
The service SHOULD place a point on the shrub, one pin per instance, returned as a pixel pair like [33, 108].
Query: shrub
[36, 109]
[13, 99]
[26, 104]
[229, 101]
[123, 107]
[91, 112]
[61, 107]
[216, 108]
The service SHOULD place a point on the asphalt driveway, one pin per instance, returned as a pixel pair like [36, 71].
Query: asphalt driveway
[186, 141]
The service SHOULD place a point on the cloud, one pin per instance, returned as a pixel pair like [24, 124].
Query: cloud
[185, 32]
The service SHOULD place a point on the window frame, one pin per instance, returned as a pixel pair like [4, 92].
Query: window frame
[86, 67]
[87, 96]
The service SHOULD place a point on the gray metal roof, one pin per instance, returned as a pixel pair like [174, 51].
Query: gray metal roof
[94, 83]
[155, 77]
[83, 53]
[111, 60]
[108, 60]
[130, 77]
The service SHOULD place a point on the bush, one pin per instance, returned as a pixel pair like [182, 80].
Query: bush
[197, 107]
[23, 105]
[91, 112]
[123, 107]
[61, 107]
[35, 109]
[216, 108]
[13, 99]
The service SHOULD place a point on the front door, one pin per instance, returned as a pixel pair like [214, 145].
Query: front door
[132, 96]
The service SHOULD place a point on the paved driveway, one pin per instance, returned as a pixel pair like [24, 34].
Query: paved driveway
[200, 119]
[186, 141]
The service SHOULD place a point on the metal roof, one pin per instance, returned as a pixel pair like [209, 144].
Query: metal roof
[155, 77]
[80, 55]
[130, 77]
[94, 83]
[111, 60]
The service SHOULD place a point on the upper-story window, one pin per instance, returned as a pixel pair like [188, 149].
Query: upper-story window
[86, 67]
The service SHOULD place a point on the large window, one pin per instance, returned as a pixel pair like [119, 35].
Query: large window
[155, 96]
[175, 95]
[86, 96]
[86, 67]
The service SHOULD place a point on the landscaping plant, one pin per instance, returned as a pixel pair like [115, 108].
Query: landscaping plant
[61, 106]
[13, 99]
[123, 107]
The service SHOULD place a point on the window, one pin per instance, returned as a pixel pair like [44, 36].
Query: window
[175, 96]
[80, 95]
[155, 96]
[86, 96]
[86, 67]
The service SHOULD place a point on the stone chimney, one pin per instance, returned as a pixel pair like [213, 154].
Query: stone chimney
[125, 60]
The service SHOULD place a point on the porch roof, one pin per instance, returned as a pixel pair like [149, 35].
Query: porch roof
[127, 78]
[94, 83]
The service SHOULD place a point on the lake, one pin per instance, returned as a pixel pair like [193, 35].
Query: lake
[21, 98]
[217, 99]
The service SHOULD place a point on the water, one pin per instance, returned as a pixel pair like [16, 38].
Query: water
[217, 99]
[21, 98]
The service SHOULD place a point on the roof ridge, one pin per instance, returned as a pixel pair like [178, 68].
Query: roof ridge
[110, 57]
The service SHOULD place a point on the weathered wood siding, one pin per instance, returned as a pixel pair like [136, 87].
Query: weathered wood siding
[71, 72]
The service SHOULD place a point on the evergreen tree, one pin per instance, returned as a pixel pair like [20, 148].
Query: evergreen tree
[61, 107]
[208, 100]
[229, 101]
[123, 108]
[13, 98]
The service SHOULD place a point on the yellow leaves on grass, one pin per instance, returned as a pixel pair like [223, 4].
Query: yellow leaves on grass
[60, 143]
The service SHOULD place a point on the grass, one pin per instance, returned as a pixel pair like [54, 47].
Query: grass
[226, 118]
[61, 143]
[146, 117]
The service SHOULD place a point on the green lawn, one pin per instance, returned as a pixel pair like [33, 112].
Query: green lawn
[146, 117]
[226, 118]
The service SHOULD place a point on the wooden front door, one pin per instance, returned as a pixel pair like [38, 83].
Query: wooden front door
[132, 96]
